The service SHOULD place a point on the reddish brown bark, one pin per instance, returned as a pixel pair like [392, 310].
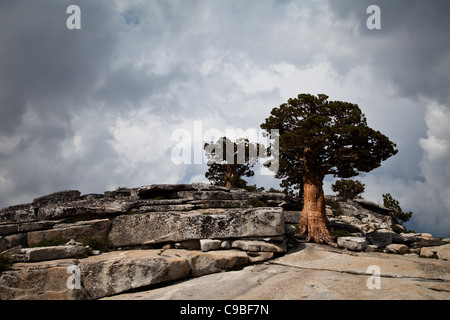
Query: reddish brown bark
[228, 177]
[313, 220]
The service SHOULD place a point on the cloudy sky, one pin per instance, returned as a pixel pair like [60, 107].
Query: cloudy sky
[97, 108]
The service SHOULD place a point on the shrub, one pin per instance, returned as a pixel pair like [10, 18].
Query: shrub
[255, 203]
[50, 242]
[340, 233]
[397, 212]
[97, 244]
[5, 263]
[273, 190]
[334, 205]
[348, 189]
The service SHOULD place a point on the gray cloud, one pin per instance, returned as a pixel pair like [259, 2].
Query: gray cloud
[95, 108]
[412, 49]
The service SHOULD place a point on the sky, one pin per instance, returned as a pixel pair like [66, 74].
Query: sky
[99, 107]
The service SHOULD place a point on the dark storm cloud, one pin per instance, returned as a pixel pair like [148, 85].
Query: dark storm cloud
[94, 108]
[47, 74]
[45, 66]
[412, 49]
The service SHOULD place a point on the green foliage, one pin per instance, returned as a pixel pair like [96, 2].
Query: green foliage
[5, 263]
[398, 229]
[98, 244]
[228, 169]
[51, 242]
[273, 190]
[340, 233]
[254, 203]
[254, 188]
[348, 189]
[334, 205]
[394, 205]
[322, 137]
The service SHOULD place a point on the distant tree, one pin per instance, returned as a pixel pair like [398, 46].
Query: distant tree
[348, 189]
[397, 212]
[318, 137]
[229, 161]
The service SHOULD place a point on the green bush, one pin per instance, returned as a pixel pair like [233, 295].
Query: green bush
[273, 190]
[5, 263]
[340, 233]
[51, 242]
[348, 189]
[394, 205]
[97, 244]
[254, 203]
[334, 205]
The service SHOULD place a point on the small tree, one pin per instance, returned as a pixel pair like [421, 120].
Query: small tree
[397, 212]
[318, 137]
[230, 161]
[348, 189]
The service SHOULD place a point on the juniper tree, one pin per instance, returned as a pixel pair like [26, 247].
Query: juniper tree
[230, 161]
[318, 137]
[348, 189]
[394, 205]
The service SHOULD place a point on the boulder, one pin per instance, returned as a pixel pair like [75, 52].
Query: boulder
[381, 238]
[16, 240]
[226, 244]
[115, 272]
[259, 256]
[120, 192]
[205, 195]
[167, 191]
[201, 263]
[372, 248]
[80, 231]
[209, 187]
[353, 243]
[428, 252]
[111, 273]
[85, 207]
[209, 244]
[57, 197]
[423, 242]
[45, 280]
[6, 229]
[157, 227]
[17, 214]
[258, 246]
[51, 253]
[292, 216]
[441, 252]
[397, 248]
[426, 235]
[406, 238]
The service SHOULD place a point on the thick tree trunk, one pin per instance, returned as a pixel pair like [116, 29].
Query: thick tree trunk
[313, 220]
[228, 177]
